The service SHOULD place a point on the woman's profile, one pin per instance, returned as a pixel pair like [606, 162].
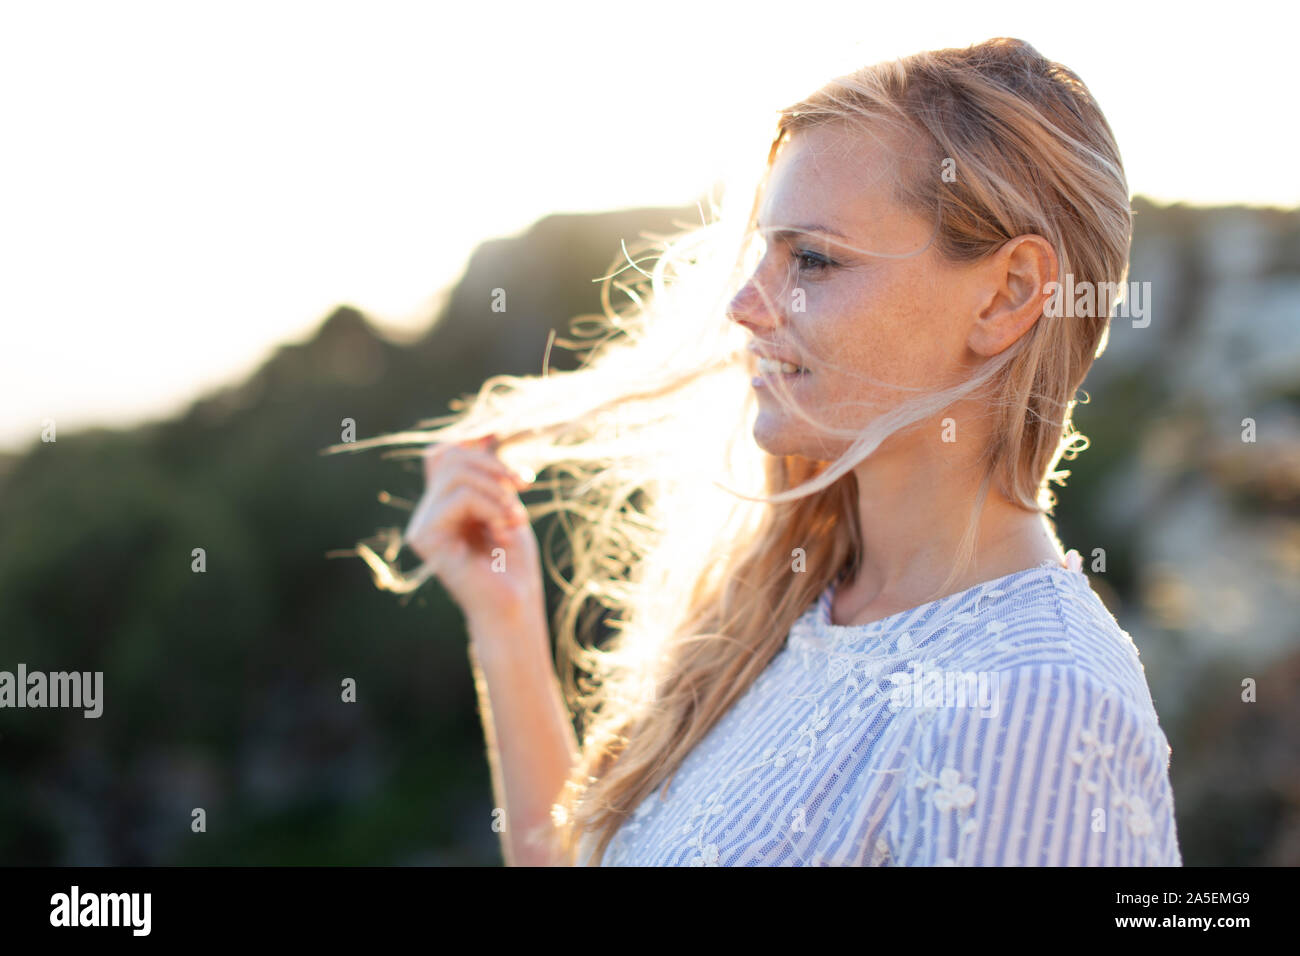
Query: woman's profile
[804, 476]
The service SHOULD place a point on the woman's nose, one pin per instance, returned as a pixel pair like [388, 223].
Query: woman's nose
[753, 307]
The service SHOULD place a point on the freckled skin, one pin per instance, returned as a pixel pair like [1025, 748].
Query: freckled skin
[892, 308]
[894, 319]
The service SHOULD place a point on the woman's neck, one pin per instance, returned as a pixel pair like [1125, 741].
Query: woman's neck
[910, 544]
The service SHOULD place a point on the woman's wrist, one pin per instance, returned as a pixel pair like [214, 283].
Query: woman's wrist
[511, 635]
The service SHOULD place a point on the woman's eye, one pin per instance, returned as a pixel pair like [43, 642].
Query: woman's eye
[811, 261]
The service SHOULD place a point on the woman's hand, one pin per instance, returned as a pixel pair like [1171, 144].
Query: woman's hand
[471, 527]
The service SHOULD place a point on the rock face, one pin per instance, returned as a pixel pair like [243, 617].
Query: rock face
[220, 687]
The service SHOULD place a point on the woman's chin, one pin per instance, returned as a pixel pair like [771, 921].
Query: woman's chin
[777, 438]
[781, 437]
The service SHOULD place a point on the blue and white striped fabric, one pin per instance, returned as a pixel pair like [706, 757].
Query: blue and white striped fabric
[1006, 725]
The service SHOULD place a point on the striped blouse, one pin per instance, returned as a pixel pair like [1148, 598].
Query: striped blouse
[1009, 724]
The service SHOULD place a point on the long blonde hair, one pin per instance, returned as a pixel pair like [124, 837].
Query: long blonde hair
[702, 548]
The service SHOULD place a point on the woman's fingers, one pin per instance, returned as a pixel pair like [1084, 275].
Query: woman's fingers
[494, 469]
[466, 487]
[439, 459]
[454, 515]
[493, 484]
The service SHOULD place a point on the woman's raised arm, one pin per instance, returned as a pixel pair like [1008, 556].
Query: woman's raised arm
[471, 528]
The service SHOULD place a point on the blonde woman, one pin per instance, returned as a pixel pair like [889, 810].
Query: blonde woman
[805, 476]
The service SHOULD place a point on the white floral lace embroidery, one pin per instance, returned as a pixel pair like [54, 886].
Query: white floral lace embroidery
[851, 668]
[1095, 752]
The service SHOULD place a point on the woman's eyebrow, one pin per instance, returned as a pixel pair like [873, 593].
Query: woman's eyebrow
[789, 232]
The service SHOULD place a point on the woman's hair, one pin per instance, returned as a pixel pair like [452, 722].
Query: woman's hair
[704, 549]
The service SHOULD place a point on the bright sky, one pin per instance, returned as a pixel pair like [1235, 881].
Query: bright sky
[185, 185]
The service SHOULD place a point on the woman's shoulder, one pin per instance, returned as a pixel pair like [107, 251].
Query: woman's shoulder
[1054, 625]
[1037, 622]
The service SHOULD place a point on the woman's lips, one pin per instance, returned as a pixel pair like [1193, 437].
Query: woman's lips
[773, 366]
[771, 369]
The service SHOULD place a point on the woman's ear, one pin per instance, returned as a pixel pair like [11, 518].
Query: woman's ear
[1015, 284]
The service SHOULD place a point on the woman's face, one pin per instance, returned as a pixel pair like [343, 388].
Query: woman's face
[848, 285]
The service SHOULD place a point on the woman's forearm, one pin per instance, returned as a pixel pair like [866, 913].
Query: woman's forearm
[530, 738]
